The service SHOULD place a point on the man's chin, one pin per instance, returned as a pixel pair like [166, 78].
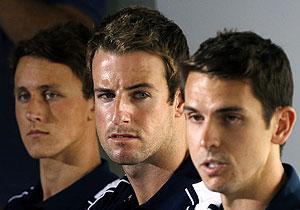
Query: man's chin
[124, 159]
[215, 185]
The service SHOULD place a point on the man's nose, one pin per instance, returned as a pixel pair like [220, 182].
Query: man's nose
[210, 135]
[121, 113]
[36, 111]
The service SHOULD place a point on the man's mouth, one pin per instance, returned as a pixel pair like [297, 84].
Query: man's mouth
[213, 167]
[37, 133]
[122, 135]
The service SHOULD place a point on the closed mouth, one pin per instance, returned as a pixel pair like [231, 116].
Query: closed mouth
[37, 132]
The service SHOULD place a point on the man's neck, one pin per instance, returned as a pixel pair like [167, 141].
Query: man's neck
[56, 174]
[259, 196]
[146, 179]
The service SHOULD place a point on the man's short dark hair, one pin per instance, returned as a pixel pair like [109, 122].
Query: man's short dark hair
[247, 57]
[64, 44]
[141, 29]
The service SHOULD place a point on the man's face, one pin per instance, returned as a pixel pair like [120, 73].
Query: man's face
[134, 120]
[228, 139]
[51, 111]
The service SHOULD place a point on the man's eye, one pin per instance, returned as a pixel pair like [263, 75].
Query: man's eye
[106, 96]
[195, 118]
[231, 119]
[23, 97]
[49, 95]
[141, 95]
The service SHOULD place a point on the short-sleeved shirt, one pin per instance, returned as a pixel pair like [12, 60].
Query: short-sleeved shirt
[76, 196]
[287, 198]
[176, 193]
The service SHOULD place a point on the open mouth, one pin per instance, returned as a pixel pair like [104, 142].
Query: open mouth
[213, 167]
[122, 136]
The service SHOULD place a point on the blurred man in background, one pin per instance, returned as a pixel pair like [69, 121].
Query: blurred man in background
[20, 20]
[55, 115]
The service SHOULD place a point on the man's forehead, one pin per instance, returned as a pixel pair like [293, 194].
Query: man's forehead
[206, 90]
[125, 71]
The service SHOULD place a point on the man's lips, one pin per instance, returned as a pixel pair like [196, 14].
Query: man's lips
[122, 136]
[213, 167]
[37, 133]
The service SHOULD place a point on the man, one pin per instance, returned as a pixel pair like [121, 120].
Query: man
[134, 57]
[238, 106]
[55, 115]
[21, 20]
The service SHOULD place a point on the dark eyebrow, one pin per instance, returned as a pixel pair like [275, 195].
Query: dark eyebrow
[230, 109]
[47, 87]
[140, 85]
[19, 89]
[100, 89]
[221, 110]
[42, 87]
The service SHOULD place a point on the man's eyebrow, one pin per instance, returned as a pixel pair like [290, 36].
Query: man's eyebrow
[49, 86]
[189, 108]
[136, 86]
[42, 87]
[141, 85]
[19, 89]
[230, 109]
[100, 89]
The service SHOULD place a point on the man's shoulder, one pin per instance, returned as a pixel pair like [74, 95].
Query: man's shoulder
[206, 198]
[17, 201]
[76, 195]
[99, 177]
[177, 192]
[288, 197]
[112, 195]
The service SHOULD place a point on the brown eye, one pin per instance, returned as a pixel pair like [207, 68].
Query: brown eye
[195, 118]
[231, 119]
[106, 97]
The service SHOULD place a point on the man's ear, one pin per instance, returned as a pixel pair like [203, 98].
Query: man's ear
[285, 118]
[179, 103]
[91, 109]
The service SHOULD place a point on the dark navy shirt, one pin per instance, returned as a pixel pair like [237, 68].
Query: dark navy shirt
[288, 197]
[176, 193]
[76, 196]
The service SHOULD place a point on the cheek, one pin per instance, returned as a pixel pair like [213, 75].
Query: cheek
[151, 120]
[242, 147]
[193, 136]
[103, 116]
[21, 118]
[70, 116]
[194, 149]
